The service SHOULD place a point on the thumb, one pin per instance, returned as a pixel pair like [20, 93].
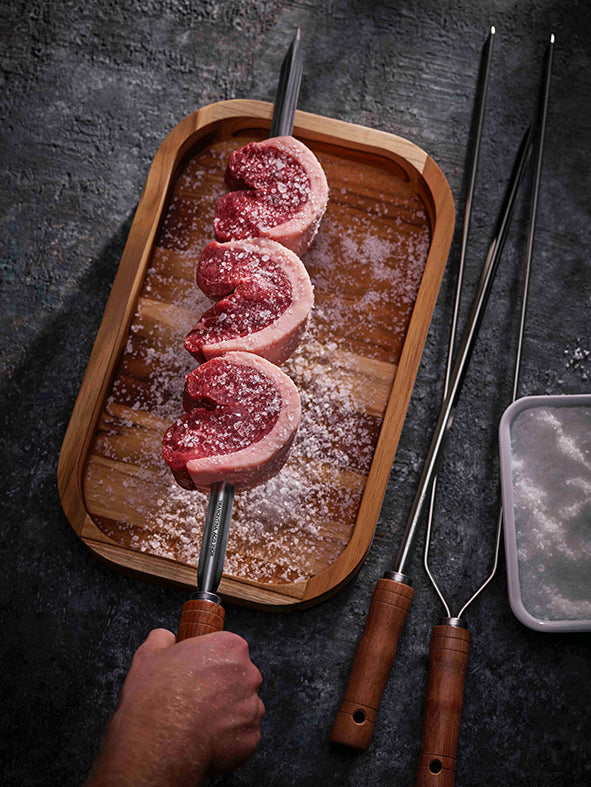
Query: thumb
[159, 639]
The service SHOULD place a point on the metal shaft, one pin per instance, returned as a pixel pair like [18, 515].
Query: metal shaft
[221, 496]
[479, 115]
[288, 90]
[542, 117]
[215, 537]
[465, 351]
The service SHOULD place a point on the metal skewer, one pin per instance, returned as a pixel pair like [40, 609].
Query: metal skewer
[392, 598]
[543, 114]
[465, 352]
[215, 539]
[481, 105]
[524, 301]
[204, 613]
[450, 639]
[288, 90]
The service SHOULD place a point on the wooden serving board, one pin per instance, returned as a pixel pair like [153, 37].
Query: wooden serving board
[376, 266]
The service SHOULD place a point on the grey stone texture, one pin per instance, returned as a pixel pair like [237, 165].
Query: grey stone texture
[89, 91]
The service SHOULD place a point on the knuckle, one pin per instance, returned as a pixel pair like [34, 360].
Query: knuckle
[257, 678]
[261, 710]
[231, 642]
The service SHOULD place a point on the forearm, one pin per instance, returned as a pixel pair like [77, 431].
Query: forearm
[128, 758]
[186, 710]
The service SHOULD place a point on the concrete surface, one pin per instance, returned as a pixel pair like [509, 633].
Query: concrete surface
[89, 90]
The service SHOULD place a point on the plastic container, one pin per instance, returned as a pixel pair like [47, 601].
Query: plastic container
[545, 455]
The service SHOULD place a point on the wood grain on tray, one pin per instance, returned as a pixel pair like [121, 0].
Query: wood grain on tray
[376, 265]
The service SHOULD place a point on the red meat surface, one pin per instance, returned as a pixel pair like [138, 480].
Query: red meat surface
[265, 299]
[278, 191]
[242, 413]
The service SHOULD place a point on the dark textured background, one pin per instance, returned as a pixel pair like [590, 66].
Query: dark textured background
[89, 91]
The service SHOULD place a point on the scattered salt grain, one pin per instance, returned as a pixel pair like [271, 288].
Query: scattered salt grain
[299, 522]
[579, 360]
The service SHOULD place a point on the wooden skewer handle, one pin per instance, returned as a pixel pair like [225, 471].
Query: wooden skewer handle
[200, 616]
[448, 659]
[355, 720]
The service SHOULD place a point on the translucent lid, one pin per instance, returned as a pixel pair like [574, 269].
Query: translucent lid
[545, 455]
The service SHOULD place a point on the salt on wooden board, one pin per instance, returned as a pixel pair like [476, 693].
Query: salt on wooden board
[110, 477]
[546, 474]
[366, 265]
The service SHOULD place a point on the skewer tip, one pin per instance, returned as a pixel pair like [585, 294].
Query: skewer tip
[552, 39]
[492, 30]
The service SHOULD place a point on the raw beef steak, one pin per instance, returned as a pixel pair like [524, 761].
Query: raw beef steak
[278, 191]
[242, 413]
[265, 299]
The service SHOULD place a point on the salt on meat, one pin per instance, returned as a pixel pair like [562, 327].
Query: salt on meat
[278, 191]
[265, 297]
[241, 416]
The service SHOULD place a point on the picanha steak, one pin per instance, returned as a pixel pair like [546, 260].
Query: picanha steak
[242, 413]
[278, 191]
[265, 297]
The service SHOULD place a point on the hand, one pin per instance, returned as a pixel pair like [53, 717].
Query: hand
[187, 710]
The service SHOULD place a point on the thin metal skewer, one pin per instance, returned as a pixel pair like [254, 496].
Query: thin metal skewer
[464, 354]
[534, 207]
[542, 118]
[392, 597]
[221, 497]
[480, 111]
[288, 90]
[450, 639]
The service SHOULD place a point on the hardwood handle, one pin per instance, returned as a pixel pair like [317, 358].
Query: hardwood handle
[448, 659]
[200, 616]
[355, 720]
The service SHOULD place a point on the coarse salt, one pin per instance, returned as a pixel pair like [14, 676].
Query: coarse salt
[298, 523]
[551, 473]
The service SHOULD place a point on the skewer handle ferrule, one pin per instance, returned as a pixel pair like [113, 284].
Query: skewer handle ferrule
[201, 616]
[355, 720]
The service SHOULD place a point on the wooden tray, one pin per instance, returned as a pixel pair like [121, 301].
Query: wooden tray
[376, 266]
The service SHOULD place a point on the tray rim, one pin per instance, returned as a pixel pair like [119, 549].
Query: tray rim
[118, 314]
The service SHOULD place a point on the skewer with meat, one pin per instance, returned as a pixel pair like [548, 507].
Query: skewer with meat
[241, 416]
[242, 412]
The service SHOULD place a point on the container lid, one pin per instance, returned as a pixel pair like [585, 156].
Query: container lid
[545, 458]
